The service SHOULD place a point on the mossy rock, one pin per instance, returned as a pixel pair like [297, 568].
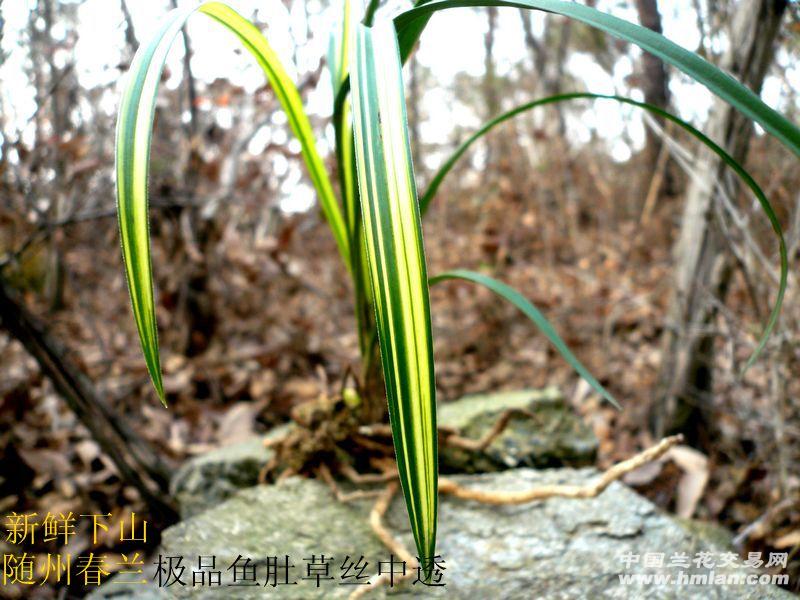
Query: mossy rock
[556, 437]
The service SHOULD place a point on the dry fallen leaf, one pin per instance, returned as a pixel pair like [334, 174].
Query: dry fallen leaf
[238, 423]
[46, 462]
[644, 475]
[788, 540]
[693, 482]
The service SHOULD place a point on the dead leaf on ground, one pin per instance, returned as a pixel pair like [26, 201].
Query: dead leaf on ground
[238, 423]
[693, 482]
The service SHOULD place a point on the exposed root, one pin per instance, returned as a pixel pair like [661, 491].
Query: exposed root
[376, 429]
[275, 440]
[396, 548]
[325, 474]
[371, 444]
[321, 425]
[447, 486]
[357, 477]
[326, 425]
[376, 522]
[499, 426]
[286, 473]
[590, 490]
[268, 468]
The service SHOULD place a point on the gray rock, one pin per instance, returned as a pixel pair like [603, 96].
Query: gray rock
[707, 530]
[556, 438]
[556, 549]
[211, 478]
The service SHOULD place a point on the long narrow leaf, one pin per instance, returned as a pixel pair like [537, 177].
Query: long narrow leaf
[339, 59]
[393, 233]
[339, 63]
[704, 139]
[134, 131]
[411, 23]
[339, 49]
[535, 315]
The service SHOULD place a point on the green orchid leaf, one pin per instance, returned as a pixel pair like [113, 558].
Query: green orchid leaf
[740, 171]
[393, 240]
[134, 132]
[535, 315]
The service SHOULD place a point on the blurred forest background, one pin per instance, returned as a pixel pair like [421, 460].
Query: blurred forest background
[652, 263]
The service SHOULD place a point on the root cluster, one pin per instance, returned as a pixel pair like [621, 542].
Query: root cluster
[328, 434]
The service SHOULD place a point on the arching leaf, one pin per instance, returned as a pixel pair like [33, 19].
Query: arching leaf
[134, 131]
[746, 178]
[534, 314]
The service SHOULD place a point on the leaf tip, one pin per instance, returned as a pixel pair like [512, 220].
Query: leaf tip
[750, 362]
[161, 395]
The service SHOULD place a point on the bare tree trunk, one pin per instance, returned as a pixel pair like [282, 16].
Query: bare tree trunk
[531, 42]
[199, 318]
[548, 58]
[558, 38]
[131, 43]
[136, 461]
[191, 91]
[655, 82]
[703, 270]
[42, 50]
[490, 97]
[491, 100]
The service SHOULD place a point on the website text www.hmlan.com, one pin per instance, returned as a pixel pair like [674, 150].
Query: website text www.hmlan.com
[707, 578]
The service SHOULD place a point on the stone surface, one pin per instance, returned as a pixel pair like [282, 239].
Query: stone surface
[560, 549]
[556, 438]
[211, 478]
